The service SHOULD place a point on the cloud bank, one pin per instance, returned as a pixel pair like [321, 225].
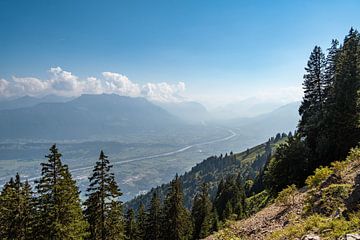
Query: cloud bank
[64, 83]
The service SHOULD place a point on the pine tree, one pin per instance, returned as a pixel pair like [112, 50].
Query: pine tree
[153, 219]
[115, 222]
[344, 111]
[177, 223]
[230, 198]
[141, 222]
[228, 211]
[58, 203]
[202, 214]
[131, 228]
[16, 210]
[311, 109]
[325, 143]
[288, 166]
[103, 207]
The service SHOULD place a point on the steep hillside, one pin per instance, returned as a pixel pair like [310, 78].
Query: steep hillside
[327, 208]
[213, 169]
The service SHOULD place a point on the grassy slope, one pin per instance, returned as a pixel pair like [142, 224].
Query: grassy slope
[328, 207]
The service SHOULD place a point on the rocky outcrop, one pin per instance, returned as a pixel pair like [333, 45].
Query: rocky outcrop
[352, 236]
[353, 202]
[310, 237]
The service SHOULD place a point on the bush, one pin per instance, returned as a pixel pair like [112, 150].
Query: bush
[320, 175]
[287, 196]
[330, 201]
[354, 154]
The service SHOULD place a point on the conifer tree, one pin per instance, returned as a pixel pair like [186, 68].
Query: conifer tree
[311, 109]
[202, 213]
[141, 222]
[230, 198]
[131, 228]
[103, 207]
[228, 211]
[177, 223]
[344, 111]
[60, 215]
[325, 143]
[16, 210]
[153, 219]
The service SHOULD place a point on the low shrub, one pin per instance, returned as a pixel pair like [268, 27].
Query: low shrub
[320, 175]
[287, 196]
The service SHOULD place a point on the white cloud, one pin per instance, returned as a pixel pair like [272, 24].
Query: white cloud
[4, 87]
[65, 83]
[163, 91]
[28, 85]
[120, 84]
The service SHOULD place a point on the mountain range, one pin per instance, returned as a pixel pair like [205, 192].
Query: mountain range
[108, 115]
[85, 117]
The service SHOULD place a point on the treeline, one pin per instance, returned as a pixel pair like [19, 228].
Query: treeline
[214, 169]
[53, 210]
[329, 124]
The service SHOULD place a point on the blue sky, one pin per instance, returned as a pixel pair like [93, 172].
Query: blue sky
[222, 50]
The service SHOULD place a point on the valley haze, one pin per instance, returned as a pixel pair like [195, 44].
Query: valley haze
[147, 141]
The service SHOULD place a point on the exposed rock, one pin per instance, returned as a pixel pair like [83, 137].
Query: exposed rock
[353, 202]
[332, 179]
[351, 236]
[310, 237]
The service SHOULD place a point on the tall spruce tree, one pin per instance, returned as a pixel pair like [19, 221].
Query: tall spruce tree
[325, 142]
[16, 210]
[153, 219]
[202, 214]
[103, 207]
[311, 109]
[131, 228]
[288, 166]
[344, 109]
[177, 224]
[58, 204]
[230, 198]
[141, 222]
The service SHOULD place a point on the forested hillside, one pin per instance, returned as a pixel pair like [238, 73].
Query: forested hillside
[212, 170]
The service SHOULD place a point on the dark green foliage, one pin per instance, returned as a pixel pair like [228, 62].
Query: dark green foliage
[230, 198]
[289, 165]
[103, 207]
[202, 214]
[153, 219]
[141, 222]
[343, 110]
[177, 224]
[16, 210]
[59, 214]
[311, 109]
[329, 125]
[131, 228]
